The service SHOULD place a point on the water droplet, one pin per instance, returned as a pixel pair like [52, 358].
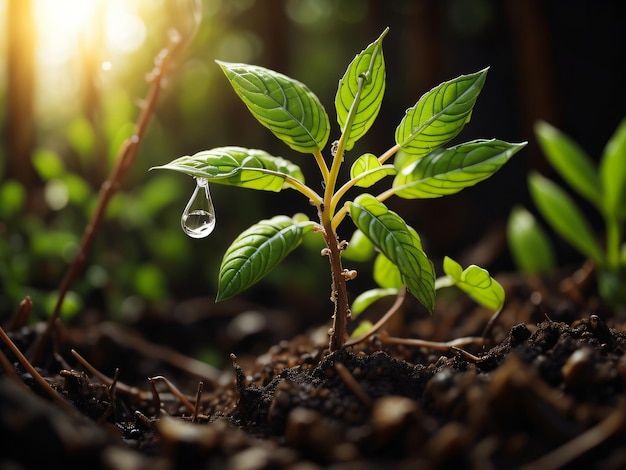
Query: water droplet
[198, 219]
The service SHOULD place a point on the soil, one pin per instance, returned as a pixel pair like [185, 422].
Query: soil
[545, 391]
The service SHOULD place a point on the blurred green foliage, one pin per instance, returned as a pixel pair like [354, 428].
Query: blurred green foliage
[86, 102]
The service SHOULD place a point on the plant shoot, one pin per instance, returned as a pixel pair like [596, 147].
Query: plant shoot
[418, 164]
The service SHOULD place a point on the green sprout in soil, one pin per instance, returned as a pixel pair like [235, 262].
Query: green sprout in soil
[418, 163]
[603, 186]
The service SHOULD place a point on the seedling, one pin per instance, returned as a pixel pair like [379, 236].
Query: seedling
[418, 162]
[604, 186]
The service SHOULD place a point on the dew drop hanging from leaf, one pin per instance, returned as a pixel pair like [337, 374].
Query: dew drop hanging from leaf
[198, 219]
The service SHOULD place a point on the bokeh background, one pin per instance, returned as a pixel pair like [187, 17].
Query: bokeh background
[73, 75]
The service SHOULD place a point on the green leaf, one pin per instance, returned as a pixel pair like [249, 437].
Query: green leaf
[476, 282]
[563, 215]
[284, 105]
[613, 173]
[447, 171]
[366, 299]
[392, 236]
[12, 199]
[439, 115]
[255, 252]
[360, 248]
[386, 274]
[529, 244]
[363, 328]
[570, 161]
[48, 164]
[363, 86]
[370, 171]
[238, 166]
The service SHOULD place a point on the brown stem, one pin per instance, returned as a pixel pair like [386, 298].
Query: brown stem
[437, 345]
[339, 295]
[123, 162]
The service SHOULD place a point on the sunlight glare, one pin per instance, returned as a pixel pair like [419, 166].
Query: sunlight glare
[67, 27]
[124, 31]
[59, 24]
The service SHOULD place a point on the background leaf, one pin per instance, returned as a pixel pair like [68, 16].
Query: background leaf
[367, 73]
[238, 166]
[564, 217]
[360, 248]
[386, 274]
[284, 105]
[476, 282]
[362, 329]
[447, 171]
[392, 236]
[367, 298]
[256, 252]
[613, 173]
[439, 115]
[570, 161]
[529, 244]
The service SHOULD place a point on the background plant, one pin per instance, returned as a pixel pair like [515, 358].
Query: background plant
[423, 169]
[603, 186]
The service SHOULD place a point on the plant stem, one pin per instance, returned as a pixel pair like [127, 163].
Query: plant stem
[352, 182]
[319, 158]
[339, 291]
[296, 184]
[389, 153]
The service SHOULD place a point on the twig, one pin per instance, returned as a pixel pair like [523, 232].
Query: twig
[20, 318]
[156, 399]
[111, 393]
[106, 380]
[490, 323]
[177, 393]
[123, 161]
[194, 418]
[32, 371]
[467, 355]
[440, 346]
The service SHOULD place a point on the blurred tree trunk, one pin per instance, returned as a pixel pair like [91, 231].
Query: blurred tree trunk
[20, 122]
[91, 47]
[538, 89]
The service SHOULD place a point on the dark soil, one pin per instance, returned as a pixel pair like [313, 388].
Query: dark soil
[547, 391]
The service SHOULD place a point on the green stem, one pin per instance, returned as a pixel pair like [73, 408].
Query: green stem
[443, 281]
[340, 215]
[321, 163]
[341, 146]
[295, 183]
[341, 191]
[389, 153]
[387, 194]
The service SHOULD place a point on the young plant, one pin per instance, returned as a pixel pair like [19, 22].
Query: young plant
[419, 163]
[473, 280]
[603, 186]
